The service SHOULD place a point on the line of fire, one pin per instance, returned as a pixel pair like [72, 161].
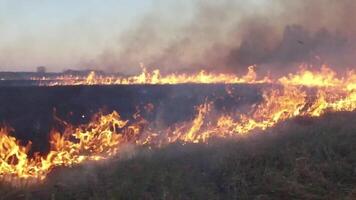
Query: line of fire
[177, 100]
[306, 93]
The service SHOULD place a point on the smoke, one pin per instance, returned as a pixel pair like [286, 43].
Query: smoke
[229, 35]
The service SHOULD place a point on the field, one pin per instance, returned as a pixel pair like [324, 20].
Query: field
[303, 158]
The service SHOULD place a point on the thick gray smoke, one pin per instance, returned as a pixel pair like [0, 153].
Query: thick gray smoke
[229, 35]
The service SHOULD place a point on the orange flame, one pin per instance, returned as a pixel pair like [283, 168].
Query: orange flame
[154, 78]
[325, 77]
[98, 140]
[105, 135]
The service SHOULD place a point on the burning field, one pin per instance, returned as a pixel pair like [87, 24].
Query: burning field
[98, 119]
[166, 99]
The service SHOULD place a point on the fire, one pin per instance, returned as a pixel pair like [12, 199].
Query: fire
[155, 78]
[325, 77]
[100, 139]
[306, 93]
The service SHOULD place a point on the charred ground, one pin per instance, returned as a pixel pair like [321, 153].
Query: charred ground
[33, 111]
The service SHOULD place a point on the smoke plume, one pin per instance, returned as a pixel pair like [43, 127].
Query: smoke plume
[229, 35]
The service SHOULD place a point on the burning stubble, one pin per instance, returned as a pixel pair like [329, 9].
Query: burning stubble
[105, 135]
[222, 37]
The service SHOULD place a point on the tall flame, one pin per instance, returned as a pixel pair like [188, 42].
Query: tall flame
[306, 93]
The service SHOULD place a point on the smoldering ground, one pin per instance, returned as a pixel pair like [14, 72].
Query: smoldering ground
[228, 36]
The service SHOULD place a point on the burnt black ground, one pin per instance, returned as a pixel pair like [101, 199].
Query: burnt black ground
[30, 110]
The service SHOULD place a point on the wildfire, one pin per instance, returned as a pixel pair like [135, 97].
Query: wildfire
[155, 78]
[105, 135]
[99, 139]
[325, 77]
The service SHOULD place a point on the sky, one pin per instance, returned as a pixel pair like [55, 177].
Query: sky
[58, 34]
[174, 35]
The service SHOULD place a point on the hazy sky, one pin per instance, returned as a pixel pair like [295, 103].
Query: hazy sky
[59, 33]
[62, 34]
[173, 35]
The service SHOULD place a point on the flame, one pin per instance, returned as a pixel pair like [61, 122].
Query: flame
[306, 93]
[154, 78]
[100, 139]
[326, 77]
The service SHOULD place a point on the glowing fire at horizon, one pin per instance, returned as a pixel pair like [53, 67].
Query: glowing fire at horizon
[154, 78]
[305, 93]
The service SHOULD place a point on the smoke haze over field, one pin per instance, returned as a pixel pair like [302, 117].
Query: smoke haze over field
[226, 35]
